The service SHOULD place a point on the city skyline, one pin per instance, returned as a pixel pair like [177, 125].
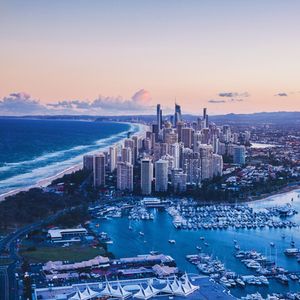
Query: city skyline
[228, 56]
[149, 149]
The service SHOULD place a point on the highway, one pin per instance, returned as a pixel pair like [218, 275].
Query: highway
[8, 282]
[4, 285]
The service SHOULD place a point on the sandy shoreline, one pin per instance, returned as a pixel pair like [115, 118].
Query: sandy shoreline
[142, 129]
[46, 181]
[284, 190]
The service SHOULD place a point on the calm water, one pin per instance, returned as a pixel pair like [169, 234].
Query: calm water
[160, 230]
[32, 150]
[261, 146]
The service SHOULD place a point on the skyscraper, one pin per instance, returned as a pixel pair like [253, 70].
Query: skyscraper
[99, 170]
[174, 151]
[124, 176]
[129, 143]
[146, 176]
[187, 137]
[206, 152]
[113, 157]
[179, 180]
[126, 155]
[88, 161]
[159, 117]
[170, 136]
[177, 114]
[197, 140]
[137, 146]
[161, 175]
[239, 155]
[205, 136]
[191, 165]
[226, 133]
[205, 118]
[217, 164]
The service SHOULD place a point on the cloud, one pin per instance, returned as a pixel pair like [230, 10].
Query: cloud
[234, 94]
[138, 102]
[216, 101]
[281, 94]
[23, 104]
[20, 103]
[72, 104]
[230, 97]
[236, 100]
[142, 96]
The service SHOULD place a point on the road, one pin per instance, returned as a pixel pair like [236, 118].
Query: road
[4, 285]
[8, 282]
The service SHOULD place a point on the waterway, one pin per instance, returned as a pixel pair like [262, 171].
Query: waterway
[127, 243]
[261, 146]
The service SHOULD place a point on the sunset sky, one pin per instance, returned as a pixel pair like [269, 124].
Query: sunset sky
[114, 57]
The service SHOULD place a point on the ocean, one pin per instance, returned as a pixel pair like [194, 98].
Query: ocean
[33, 149]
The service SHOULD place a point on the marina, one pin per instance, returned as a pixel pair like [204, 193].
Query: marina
[267, 242]
[189, 215]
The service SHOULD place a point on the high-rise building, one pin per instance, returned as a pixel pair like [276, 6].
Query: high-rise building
[191, 165]
[174, 151]
[206, 152]
[88, 161]
[197, 139]
[124, 176]
[205, 136]
[99, 169]
[161, 176]
[179, 180]
[159, 150]
[205, 118]
[105, 153]
[136, 148]
[179, 127]
[177, 115]
[126, 155]
[239, 155]
[204, 113]
[159, 117]
[155, 131]
[247, 136]
[221, 148]
[113, 158]
[215, 143]
[170, 159]
[217, 162]
[147, 145]
[146, 176]
[151, 137]
[226, 133]
[187, 137]
[170, 136]
[129, 143]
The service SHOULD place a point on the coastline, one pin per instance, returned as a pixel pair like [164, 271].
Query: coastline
[270, 196]
[142, 128]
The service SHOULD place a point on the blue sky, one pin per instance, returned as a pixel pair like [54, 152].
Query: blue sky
[189, 50]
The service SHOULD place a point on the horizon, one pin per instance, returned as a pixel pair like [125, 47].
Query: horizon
[144, 115]
[122, 58]
[144, 144]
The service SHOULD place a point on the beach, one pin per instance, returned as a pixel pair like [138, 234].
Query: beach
[142, 128]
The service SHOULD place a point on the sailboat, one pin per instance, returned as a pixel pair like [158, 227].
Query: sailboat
[292, 243]
[130, 227]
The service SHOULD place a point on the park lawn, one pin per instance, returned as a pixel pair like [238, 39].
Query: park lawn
[72, 254]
